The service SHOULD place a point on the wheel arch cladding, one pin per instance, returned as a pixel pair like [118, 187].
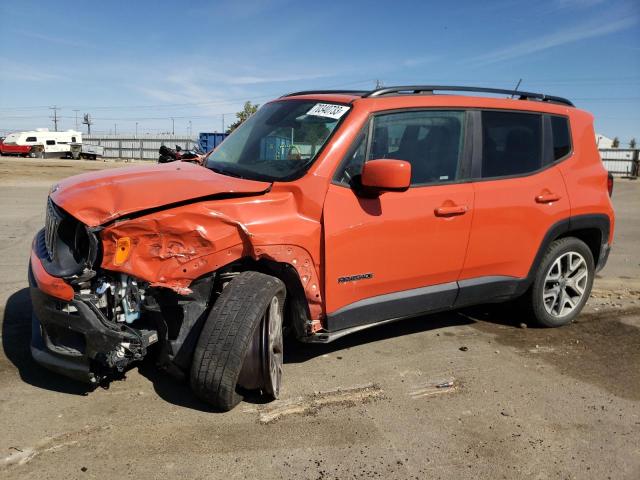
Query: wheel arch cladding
[591, 229]
[591, 236]
[297, 313]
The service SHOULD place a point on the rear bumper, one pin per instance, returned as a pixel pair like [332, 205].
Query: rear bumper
[73, 338]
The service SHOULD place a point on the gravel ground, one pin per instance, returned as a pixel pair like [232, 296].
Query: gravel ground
[514, 402]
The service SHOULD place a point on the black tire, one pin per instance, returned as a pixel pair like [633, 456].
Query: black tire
[227, 337]
[533, 300]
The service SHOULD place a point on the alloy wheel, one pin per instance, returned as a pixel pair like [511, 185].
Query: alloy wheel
[565, 284]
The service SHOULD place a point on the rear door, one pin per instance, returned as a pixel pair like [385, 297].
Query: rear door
[399, 254]
[519, 195]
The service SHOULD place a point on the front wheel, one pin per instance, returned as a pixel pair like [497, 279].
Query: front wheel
[240, 346]
[562, 284]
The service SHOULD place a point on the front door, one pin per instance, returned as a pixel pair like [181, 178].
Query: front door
[399, 254]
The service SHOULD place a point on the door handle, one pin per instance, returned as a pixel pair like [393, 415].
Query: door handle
[547, 198]
[450, 211]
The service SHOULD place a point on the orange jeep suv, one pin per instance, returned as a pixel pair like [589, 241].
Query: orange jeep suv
[325, 213]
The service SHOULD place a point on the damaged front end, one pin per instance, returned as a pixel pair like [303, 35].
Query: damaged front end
[90, 323]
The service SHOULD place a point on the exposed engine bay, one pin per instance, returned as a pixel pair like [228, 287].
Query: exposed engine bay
[113, 319]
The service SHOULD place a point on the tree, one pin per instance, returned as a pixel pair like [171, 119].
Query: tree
[248, 110]
[615, 143]
[632, 143]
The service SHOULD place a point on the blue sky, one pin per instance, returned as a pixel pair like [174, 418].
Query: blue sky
[147, 61]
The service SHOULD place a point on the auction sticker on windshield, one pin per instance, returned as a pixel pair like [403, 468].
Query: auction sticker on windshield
[328, 110]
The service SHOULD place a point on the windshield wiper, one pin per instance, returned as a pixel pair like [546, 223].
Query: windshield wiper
[222, 171]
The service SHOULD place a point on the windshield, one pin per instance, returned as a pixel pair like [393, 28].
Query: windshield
[278, 142]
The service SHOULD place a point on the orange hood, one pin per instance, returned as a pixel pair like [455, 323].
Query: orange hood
[99, 197]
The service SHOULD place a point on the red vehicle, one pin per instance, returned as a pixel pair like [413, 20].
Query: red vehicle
[20, 150]
[324, 213]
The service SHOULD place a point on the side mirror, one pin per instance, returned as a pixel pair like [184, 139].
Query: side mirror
[386, 175]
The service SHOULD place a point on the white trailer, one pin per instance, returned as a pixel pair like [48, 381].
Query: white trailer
[52, 144]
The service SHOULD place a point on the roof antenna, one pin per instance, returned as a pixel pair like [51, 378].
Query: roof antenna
[516, 89]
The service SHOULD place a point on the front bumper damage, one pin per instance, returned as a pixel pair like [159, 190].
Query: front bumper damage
[72, 337]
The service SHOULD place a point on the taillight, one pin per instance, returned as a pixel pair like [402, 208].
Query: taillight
[610, 184]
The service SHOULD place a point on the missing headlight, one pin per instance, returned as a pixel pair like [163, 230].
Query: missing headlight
[71, 247]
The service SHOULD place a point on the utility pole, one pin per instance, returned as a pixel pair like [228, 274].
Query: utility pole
[379, 84]
[115, 128]
[222, 123]
[76, 118]
[189, 128]
[136, 129]
[55, 117]
[87, 121]
[173, 127]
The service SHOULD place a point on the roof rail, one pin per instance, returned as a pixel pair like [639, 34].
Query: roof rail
[357, 93]
[429, 89]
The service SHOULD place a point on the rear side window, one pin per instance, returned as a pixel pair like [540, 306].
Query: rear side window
[51, 142]
[561, 137]
[73, 139]
[31, 139]
[511, 143]
[431, 141]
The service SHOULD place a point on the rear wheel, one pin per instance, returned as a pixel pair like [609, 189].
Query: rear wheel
[562, 284]
[240, 347]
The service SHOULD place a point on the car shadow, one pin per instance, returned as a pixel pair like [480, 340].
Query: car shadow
[16, 337]
[178, 392]
[172, 389]
[298, 352]
[16, 340]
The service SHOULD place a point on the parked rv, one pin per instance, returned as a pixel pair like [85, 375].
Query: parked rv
[40, 143]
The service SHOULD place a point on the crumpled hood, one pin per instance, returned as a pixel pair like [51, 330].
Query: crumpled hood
[99, 197]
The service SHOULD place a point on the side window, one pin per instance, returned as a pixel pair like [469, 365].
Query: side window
[561, 136]
[430, 140]
[511, 143]
[31, 139]
[73, 139]
[51, 142]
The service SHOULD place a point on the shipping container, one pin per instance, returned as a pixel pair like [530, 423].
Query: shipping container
[209, 141]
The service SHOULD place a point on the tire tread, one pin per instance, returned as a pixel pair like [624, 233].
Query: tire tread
[227, 335]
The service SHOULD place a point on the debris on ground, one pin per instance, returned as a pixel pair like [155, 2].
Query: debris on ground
[434, 388]
[311, 404]
[445, 385]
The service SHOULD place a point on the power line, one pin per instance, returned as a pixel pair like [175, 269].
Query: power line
[190, 104]
[633, 79]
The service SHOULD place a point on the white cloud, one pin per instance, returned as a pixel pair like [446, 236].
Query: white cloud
[417, 61]
[49, 38]
[23, 72]
[578, 3]
[556, 39]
